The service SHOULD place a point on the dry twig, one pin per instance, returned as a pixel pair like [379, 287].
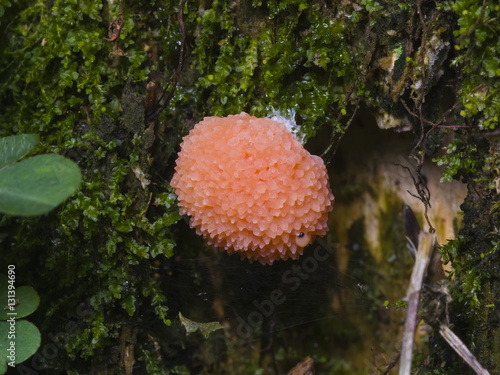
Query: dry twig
[424, 194]
[115, 28]
[426, 244]
[428, 262]
[461, 349]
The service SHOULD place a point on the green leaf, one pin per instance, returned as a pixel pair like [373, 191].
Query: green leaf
[15, 147]
[26, 342]
[37, 185]
[27, 299]
[204, 328]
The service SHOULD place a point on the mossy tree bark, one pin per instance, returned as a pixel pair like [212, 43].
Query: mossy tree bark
[115, 85]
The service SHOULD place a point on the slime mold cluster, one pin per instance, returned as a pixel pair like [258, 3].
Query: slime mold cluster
[251, 188]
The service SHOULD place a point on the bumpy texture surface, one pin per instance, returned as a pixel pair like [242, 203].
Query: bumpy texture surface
[251, 188]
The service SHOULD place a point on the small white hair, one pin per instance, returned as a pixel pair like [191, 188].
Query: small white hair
[288, 119]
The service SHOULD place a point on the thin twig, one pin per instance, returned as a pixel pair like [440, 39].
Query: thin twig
[177, 73]
[427, 242]
[421, 98]
[420, 183]
[422, 63]
[454, 126]
[476, 24]
[115, 27]
[461, 349]
[325, 155]
[435, 124]
[391, 365]
[424, 194]
[375, 351]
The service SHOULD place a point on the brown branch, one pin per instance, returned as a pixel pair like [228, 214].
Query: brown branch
[424, 194]
[435, 124]
[454, 126]
[422, 52]
[391, 365]
[348, 96]
[475, 26]
[150, 96]
[421, 98]
[375, 350]
[115, 27]
[422, 63]
[422, 142]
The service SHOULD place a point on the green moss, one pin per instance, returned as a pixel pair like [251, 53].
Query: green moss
[297, 58]
[477, 54]
[461, 160]
[399, 65]
[68, 86]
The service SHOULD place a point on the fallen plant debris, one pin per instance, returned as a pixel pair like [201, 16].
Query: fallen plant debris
[423, 268]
